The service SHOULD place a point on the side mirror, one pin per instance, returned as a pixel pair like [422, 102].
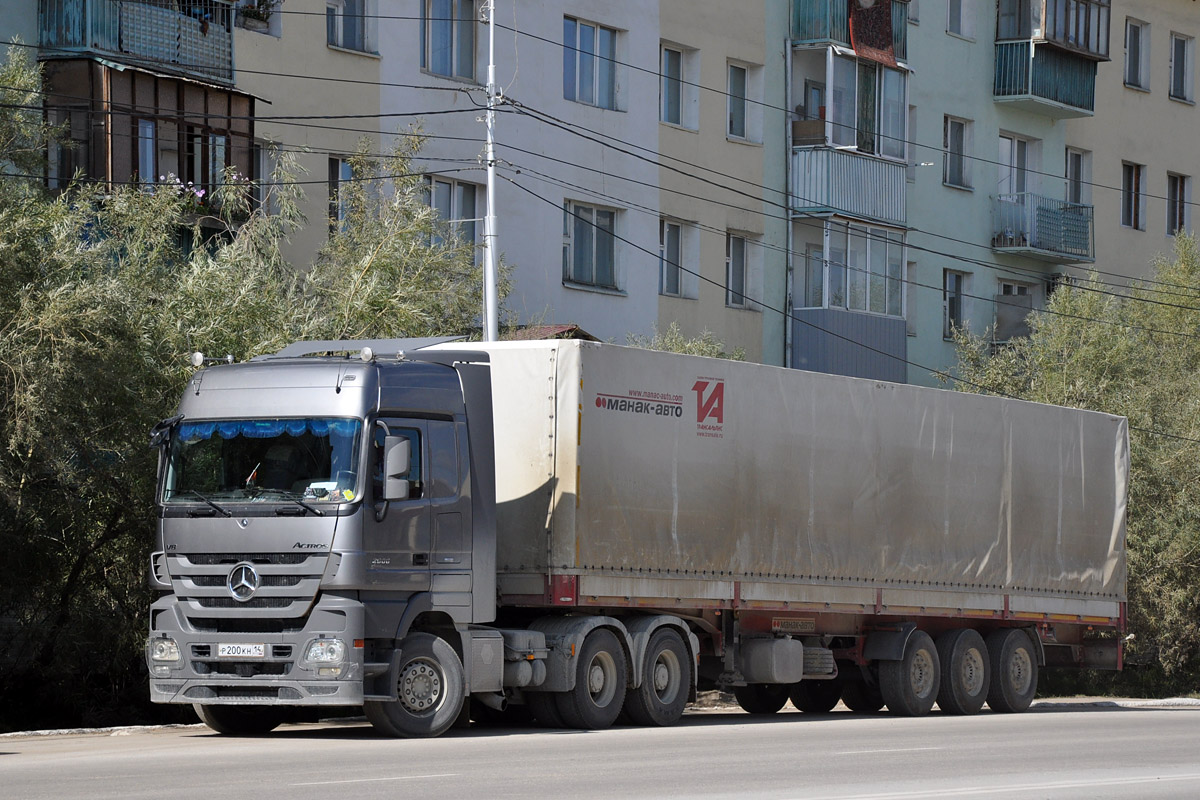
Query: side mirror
[397, 460]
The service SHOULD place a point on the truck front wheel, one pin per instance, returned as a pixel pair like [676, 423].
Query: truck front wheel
[761, 698]
[911, 684]
[239, 720]
[816, 697]
[429, 690]
[666, 680]
[600, 681]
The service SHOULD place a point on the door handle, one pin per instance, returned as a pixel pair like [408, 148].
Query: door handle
[420, 559]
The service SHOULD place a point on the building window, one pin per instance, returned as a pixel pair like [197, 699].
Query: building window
[448, 38]
[1133, 195]
[204, 167]
[1013, 20]
[958, 18]
[1079, 175]
[589, 63]
[340, 172]
[1179, 191]
[735, 271]
[672, 86]
[867, 105]
[814, 278]
[1181, 67]
[956, 135]
[670, 249]
[1015, 160]
[71, 155]
[865, 269]
[147, 151]
[454, 201]
[953, 290]
[589, 245]
[345, 24]
[1137, 54]
[736, 90]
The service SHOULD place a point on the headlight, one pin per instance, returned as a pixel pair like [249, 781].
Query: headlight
[325, 651]
[164, 650]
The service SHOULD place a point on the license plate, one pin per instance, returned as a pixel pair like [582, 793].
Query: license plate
[241, 651]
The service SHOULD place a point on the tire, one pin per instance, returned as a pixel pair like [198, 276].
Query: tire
[240, 720]
[910, 685]
[544, 709]
[600, 683]
[861, 697]
[761, 699]
[816, 697]
[430, 688]
[966, 672]
[666, 682]
[1014, 671]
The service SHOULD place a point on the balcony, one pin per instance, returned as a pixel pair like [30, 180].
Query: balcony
[825, 181]
[826, 22]
[1053, 83]
[1043, 228]
[152, 34]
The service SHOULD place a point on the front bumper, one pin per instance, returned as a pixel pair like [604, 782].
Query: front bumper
[280, 677]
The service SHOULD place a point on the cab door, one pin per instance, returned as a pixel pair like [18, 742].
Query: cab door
[397, 536]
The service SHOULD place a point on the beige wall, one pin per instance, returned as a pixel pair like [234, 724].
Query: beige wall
[718, 33]
[300, 49]
[1142, 127]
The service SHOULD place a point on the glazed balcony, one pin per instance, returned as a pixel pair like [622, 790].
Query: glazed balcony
[1043, 228]
[1075, 26]
[827, 181]
[826, 22]
[155, 34]
[1053, 83]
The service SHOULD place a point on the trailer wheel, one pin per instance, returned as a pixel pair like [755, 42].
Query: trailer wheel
[1014, 671]
[600, 680]
[430, 690]
[966, 673]
[761, 698]
[240, 720]
[861, 697]
[544, 708]
[910, 685]
[816, 697]
[666, 680]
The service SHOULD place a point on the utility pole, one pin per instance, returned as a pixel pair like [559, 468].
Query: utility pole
[494, 95]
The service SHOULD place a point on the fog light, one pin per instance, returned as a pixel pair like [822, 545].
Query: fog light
[161, 671]
[329, 672]
[164, 650]
[325, 651]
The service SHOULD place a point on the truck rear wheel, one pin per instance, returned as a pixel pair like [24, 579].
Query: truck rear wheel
[861, 697]
[666, 680]
[1014, 671]
[965, 672]
[761, 698]
[240, 720]
[600, 681]
[910, 685]
[544, 708]
[429, 688]
[816, 697]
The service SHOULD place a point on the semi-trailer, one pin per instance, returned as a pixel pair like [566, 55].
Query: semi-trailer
[419, 526]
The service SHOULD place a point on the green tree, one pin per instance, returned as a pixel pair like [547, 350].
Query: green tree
[1137, 356]
[672, 340]
[103, 294]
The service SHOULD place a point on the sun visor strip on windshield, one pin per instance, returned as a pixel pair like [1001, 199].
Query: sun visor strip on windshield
[266, 428]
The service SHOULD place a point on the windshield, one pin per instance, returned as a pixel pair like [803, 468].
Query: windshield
[240, 460]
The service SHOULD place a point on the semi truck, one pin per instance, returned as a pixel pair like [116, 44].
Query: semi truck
[423, 527]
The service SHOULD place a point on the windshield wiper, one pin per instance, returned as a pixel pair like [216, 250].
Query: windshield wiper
[199, 496]
[283, 494]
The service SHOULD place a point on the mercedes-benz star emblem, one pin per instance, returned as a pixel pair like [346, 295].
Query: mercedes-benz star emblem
[243, 582]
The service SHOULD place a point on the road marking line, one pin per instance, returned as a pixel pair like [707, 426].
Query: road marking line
[373, 780]
[965, 791]
[897, 750]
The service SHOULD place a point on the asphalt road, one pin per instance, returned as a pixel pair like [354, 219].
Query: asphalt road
[1052, 751]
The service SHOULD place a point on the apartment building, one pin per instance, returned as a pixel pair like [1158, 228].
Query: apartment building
[1136, 161]
[993, 220]
[145, 89]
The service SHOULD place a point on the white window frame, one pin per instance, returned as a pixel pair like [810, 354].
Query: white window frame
[1018, 162]
[1179, 206]
[337, 12]
[1181, 84]
[737, 124]
[147, 151]
[954, 307]
[604, 78]
[686, 86]
[1137, 57]
[960, 18]
[463, 220]
[950, 156]
[1133, 195]
[737, 267]
[670, 236]
[340, 172]
[1078, 176]
[462, 28]
[586, 220]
